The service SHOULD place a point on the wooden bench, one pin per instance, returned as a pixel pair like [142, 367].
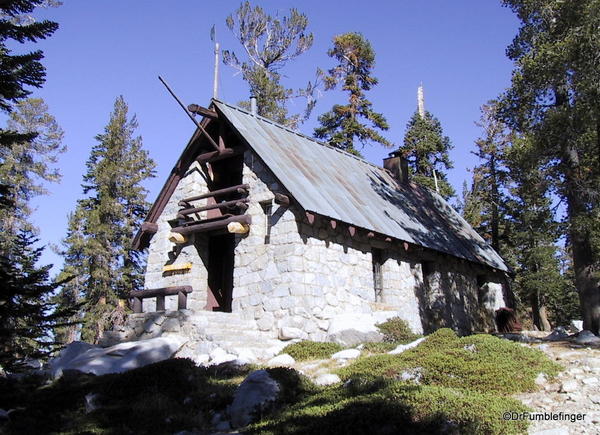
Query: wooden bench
[159, 294]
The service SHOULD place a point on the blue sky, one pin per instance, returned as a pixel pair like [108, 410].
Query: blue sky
[113, 47]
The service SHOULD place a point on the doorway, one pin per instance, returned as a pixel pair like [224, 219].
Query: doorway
[220, 272]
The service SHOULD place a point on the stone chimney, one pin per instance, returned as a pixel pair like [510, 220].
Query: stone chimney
[397, 165]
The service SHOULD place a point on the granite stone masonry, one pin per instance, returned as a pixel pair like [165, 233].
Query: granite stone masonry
[292, 277]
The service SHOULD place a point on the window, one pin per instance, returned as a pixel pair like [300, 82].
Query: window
[268, 211]
[377, 258]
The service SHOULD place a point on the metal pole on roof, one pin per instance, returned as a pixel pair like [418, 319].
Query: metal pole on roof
[421, 101]
[216, 73]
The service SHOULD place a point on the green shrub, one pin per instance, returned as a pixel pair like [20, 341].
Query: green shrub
[307, 350]
[481, 363]
[386, 407]
[396, 330]
[379, 347]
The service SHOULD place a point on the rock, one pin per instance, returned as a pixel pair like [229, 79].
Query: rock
[289, 333]
[256, 393]
[353, 329]
[413, 375]
[471, 348]
[171, 325]
[558, 334]
[587, 338]
[404, 347]
[245, 356]
[541, 379]
[327, 379]
[595, 399]
[219, 356]
[115, 359]
[577, 325]
[590, 381]
[554, 431]
[346, 354]
[282, 360]
[569, 386]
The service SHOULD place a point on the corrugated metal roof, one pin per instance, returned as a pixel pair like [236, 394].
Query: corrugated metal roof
[333, 183]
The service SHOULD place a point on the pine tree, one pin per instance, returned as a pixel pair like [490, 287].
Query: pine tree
[270, 43]
[554, 97]
[486, 207]
[534, 234]
[18, 71]
[342, 127]
[27, 315]
[25, 165]
[107, 267]
[426, 150]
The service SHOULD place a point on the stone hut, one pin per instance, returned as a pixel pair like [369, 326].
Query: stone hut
[290, 236]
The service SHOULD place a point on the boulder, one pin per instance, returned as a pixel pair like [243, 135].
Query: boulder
[289, 333]
[404, 347]
[255, 394]
[558, 334]
[587, 338]
[346, 354]
[353, 329]
[327, 379]
[115, 359]
[283, 360]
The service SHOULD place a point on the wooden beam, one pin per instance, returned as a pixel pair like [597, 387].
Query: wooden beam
[202, 227]
[405, 245]
[163, 291]
[388, 239]
[240, 188]
[149, 227]
[282, 199]
[199, 110]
[352, 230]
[333, 223]
[225, 204]
[310, 217]
[370, 235]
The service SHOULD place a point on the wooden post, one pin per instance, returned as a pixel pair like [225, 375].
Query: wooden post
[137, 305]
[181, 300]
[160, 303]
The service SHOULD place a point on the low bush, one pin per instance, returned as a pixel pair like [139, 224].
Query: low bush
[379, 347]
[396, 330]
[481, 363]
[307, 350]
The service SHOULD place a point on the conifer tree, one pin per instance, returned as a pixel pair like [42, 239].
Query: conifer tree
[554, 97]
[27, 314]
[111, 213]
[485, 206]
[25, 165]
[270, 43]
[534, 234]
[345, 125]
[426, 150]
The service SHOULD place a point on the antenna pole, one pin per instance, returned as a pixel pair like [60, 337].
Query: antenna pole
[210, 139]
[216, 78]
[421, 101]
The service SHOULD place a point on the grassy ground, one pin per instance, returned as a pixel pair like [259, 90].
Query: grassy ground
[445, 385]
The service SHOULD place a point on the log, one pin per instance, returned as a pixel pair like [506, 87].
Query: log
[163, 291]
[224, 204]
[240, 188]
[352, 230]
[370, 235]
[237, 228]
[211, 156]
[202, 227]
[282, 199]
[310, 217]
[199, 110]
[405, 245]
[149, 227]
[333, 224]
[177, 238]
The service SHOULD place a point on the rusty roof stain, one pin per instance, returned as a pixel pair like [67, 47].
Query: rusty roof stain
[341, 186]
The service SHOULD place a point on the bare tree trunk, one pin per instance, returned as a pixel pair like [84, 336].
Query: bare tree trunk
[538, 312]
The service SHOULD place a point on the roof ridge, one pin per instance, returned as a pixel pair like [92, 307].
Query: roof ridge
[283, 127]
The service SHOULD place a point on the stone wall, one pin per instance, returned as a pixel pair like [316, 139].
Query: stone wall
[162, 252]
[291, 278]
